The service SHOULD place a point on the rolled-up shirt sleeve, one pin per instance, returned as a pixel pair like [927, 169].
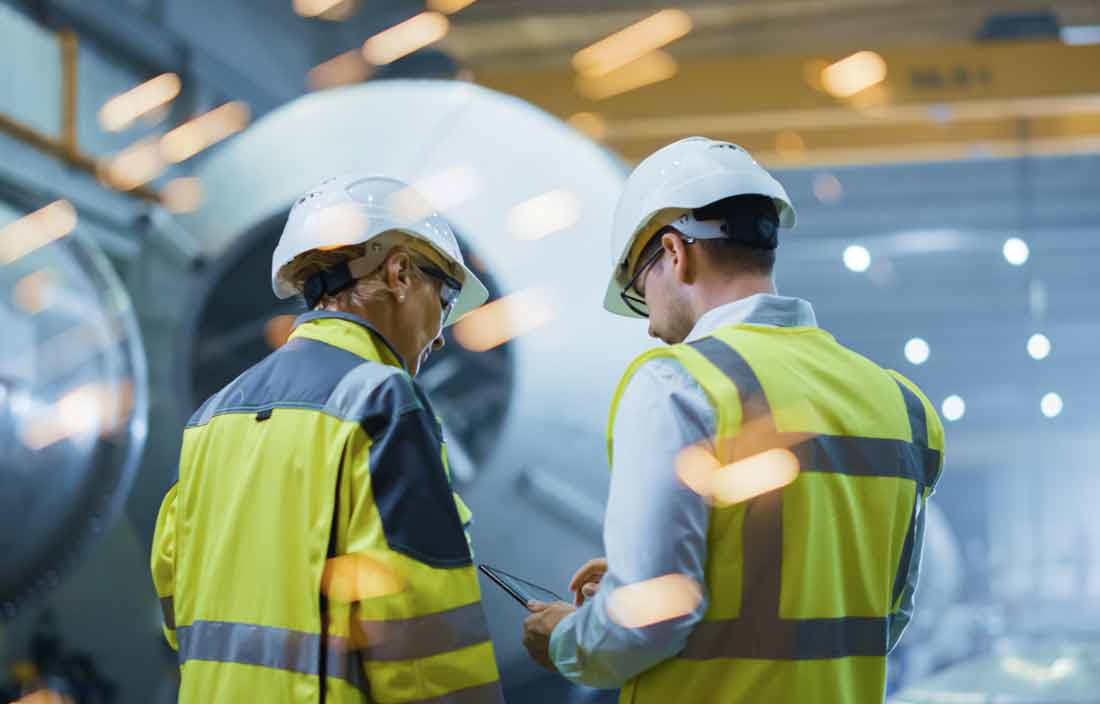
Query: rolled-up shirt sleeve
[655, 526]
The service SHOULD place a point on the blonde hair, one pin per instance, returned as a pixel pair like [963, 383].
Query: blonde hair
[369, 289]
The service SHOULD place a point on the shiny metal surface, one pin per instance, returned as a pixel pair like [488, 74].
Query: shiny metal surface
[73, 404]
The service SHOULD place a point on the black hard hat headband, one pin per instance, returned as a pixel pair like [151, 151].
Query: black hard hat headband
[750, 220]
[327, 282]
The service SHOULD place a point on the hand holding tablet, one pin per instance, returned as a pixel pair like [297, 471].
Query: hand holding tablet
[520, 589]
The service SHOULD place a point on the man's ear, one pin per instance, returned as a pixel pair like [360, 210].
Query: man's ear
[676, 252]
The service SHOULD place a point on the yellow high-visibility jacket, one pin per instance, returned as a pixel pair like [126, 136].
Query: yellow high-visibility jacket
[313, 529]
[810, 585]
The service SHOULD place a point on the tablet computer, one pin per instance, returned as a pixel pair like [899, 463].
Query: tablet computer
[520, 589]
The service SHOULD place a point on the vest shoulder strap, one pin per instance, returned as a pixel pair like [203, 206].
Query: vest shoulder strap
[735, 390]
[934, 424]
[928, 428]
[719, 388]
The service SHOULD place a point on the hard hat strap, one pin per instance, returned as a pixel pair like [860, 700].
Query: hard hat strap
[749, 219]
[690, 226]
[339, 277]
[331, 281]
[751, 230]
[327, 282]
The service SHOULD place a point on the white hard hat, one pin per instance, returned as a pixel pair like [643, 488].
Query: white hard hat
[688, 174]
[357, 209]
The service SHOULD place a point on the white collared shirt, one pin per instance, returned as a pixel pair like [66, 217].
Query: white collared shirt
[655, 525]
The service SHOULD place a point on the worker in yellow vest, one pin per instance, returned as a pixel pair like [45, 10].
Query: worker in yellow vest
[765, 520]
[312, 549]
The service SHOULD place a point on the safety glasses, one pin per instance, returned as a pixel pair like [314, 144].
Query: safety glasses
[636, 301]
[449, 287]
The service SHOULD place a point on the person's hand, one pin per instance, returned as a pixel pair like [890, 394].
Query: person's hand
[586, 582]
[539, 625]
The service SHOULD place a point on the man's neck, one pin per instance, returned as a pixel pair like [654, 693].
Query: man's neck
[730, 290]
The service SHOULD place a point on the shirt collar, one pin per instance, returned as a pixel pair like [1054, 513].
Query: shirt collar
[758, 309]
[351, 318]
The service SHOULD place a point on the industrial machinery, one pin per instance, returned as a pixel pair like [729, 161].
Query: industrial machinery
[73, 402]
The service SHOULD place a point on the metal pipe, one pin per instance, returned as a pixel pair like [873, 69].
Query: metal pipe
[70, 47]
[155, 48]
[65, 148]
[61, 151]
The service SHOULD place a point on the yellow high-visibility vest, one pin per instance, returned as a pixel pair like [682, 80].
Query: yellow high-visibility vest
[313, 529]
[809, 585]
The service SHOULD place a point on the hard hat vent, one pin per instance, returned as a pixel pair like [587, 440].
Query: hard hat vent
[309, 196]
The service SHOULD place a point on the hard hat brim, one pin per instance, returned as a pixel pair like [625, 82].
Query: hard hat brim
[613, 301]
[473, 296]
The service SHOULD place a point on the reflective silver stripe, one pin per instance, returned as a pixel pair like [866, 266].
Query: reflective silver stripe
[425, 636]
[867, 457]
[918, 421]
[481, 694]
[168, 610]
[267, 646]
[249, 644]
[929, 459]
[781, 639]
[754, 404]
[345, 663]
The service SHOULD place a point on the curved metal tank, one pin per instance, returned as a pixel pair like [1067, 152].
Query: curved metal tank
[73, 402]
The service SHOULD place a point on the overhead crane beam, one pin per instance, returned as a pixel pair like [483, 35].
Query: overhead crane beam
[996, 99]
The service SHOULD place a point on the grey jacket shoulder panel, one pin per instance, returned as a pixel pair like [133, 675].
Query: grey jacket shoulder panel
[303, 373]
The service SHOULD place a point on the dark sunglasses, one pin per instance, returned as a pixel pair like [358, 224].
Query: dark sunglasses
[636, 301]
[449, 287]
